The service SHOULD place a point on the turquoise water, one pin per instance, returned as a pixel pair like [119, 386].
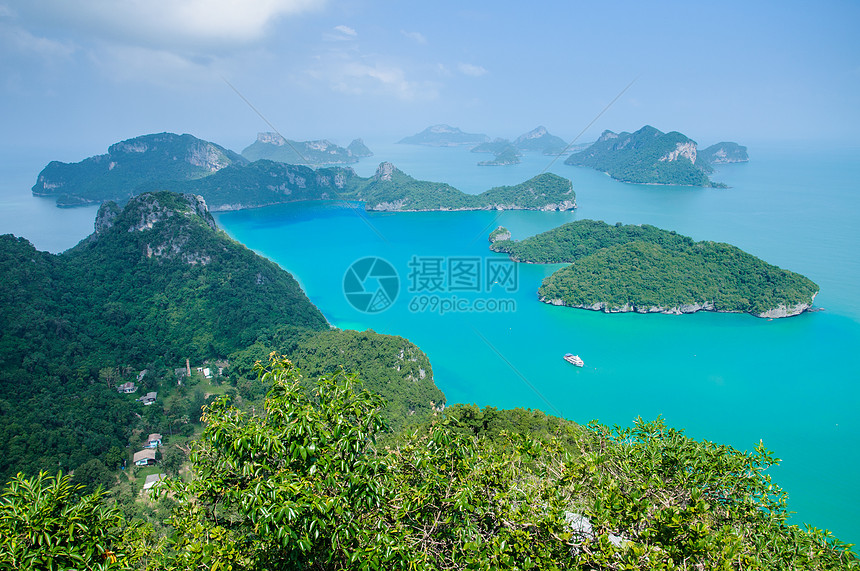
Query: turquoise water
[728, 378]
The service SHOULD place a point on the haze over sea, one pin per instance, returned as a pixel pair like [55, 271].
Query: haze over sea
[734, 379]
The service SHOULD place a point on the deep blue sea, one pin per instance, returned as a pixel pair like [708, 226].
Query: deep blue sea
[792, 383]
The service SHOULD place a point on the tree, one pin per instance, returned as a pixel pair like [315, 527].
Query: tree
[92, 475]
[295, 488]
[305, 486]
[173, 460]
[44, 524]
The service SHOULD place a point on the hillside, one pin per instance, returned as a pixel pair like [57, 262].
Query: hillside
[645, 269]
[647, 156]
[274, 147]
[154, 285]
[307, 485]
[392, 190]
[127, 164]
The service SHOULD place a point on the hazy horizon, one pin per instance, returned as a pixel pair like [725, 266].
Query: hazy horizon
[81, 77]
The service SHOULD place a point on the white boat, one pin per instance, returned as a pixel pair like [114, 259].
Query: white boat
[573, 359]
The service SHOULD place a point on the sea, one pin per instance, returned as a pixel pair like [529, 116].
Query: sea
[792, 384]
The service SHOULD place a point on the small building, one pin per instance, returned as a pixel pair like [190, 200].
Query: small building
[153, 479]
[126, 388]
[144, 458]
[207, 372]
[148, 398]
[142, 374]
[179, 372]
[153, 440]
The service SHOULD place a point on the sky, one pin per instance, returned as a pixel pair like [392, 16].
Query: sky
[78, 76]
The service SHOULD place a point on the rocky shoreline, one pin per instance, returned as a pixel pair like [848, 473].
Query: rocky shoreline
[774, 313]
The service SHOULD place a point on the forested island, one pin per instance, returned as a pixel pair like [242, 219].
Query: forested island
[342, 456]
[228, 181]
[625, 268]
[650, 156]
[274, 147]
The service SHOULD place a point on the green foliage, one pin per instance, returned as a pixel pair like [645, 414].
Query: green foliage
[389, 365]
[294, 488]
[401, 192]
[639, 157]
[44, 524]
[303, 486]
[74, 325]
[681, 504]
[641, 267]
[93, 474]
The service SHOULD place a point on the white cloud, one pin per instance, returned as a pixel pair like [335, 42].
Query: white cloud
[341, 33]
[418, 37]
[170, 23]
[472, 70]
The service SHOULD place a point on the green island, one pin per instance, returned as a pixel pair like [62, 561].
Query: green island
[274, 147]
[292, 445]
[647, 156]
[229, 182]
[509, 155]
[625, 268]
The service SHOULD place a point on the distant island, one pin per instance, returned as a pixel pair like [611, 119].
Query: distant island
[228, 181]
[508, 155]
[274, 147]
[650, 156]
[130, 163]
[625, 268]
[444, 136]
[724, 153]
[540, 140]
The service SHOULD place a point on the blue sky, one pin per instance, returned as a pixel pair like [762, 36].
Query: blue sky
[78, 76]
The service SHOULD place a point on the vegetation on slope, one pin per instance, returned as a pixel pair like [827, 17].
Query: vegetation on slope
[391, 189]
[156, 284]
[646, 156]
[640, 267]
[303, 485]
[228, 182]
[128, 164]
